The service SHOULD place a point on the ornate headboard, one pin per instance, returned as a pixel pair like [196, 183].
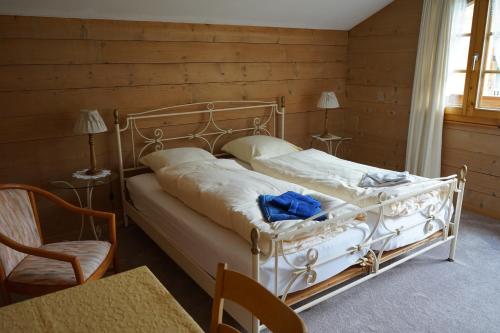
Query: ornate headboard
[205, 124]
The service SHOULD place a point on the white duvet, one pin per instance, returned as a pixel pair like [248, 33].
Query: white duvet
[327, 174]
[227, 193]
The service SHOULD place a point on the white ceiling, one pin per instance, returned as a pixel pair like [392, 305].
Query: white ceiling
[323, 14]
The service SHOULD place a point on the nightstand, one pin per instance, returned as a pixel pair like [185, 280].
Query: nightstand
[80, 181]
[332, 142]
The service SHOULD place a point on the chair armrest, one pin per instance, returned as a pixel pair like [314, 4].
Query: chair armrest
[110, 217]
[75, 263]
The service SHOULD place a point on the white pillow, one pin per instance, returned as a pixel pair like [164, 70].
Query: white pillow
[250, 147]
[175, 156]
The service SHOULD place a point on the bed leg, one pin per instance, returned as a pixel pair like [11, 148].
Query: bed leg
[458, 212]
[254, 236]
[120, 166]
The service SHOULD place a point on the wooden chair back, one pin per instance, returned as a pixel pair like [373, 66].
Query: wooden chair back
[270, 310]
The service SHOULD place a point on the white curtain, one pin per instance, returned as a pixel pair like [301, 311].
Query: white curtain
[423, 150]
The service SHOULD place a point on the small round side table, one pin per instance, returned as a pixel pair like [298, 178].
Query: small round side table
[79, 181]
[331, 141]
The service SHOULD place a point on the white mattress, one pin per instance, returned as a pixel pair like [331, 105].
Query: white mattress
[207, 244]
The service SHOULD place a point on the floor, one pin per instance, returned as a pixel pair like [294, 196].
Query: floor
[426, 294]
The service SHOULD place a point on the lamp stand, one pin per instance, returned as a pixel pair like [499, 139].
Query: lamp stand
[92, 170]
[325, 133]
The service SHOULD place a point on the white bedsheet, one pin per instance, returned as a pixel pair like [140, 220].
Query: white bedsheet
[206, 243]
[227, 193]
[327, 174]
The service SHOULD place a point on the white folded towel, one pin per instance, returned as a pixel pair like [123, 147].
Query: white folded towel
[380, 179]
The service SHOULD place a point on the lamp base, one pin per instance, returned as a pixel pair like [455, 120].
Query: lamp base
[92, 171]
[325, 135]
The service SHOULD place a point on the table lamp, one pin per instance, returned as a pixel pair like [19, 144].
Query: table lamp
[90, 122]
[328, 100]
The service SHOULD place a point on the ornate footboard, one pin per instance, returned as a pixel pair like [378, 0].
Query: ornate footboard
[374, 262]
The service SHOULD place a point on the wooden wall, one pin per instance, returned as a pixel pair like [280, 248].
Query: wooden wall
[478, 147]
[52, 67]
[381, 57]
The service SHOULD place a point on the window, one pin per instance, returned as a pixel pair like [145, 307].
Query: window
[473, 83]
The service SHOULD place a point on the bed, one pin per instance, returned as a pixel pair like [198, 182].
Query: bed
[303, 278]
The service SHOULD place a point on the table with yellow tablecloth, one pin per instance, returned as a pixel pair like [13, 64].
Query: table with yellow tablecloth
[133, 301]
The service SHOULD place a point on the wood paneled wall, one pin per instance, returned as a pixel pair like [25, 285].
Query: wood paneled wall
[381, 57]
[382, 54]
[478, 147]
[52, 67]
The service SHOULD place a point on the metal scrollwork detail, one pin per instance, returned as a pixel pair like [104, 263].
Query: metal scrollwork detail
[429, 226]
[256, 125]
[310, 273]
[157, 140]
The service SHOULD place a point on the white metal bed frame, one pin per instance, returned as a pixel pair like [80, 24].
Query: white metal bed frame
[371, 265]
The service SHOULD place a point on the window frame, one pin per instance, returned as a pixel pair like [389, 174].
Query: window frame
[468, 112]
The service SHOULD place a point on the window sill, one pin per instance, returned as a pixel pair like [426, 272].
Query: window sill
[486, 121]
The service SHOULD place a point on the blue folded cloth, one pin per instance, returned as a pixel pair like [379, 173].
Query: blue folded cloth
[289, 206]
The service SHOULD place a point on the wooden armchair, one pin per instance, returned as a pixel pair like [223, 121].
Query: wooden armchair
[248, 293]
[28, 265]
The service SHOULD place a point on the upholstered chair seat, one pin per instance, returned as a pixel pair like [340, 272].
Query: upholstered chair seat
[31, 267]
[44, 271]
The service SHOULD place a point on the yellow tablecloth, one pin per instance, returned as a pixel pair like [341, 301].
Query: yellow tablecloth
[133, 301]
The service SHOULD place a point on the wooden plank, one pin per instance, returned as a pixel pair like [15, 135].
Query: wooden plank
[383, 44]
[471, 141]
[348, 274]
[41, 77]
[379, 94]
[374, 154]
[36, 103]
[389, 255]
[479, 162]
[373, 125]
[482, 203]
[382, 61]
[477, 181]
[398, 18]
[476, 128]
[94, 29]
[395, 77]
[57, 168]
[33, 51]
[375, 109]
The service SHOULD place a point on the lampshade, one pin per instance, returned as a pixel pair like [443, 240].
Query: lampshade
[89, 122]
[328, 100]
